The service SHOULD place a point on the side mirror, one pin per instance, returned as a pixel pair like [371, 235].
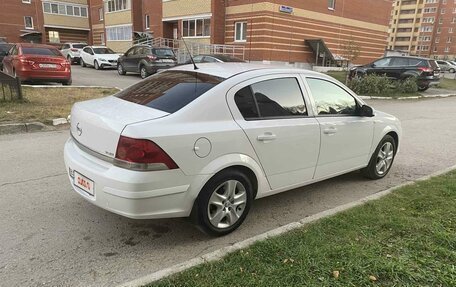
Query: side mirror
[366, 111]
[373, 65]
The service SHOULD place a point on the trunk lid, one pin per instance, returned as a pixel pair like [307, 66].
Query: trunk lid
[98, 124]
[47, 62]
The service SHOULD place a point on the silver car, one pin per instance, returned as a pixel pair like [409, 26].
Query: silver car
[446, 66]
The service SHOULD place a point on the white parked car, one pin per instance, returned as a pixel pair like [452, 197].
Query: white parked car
[72, 51]
[205, 143]
[99, 57]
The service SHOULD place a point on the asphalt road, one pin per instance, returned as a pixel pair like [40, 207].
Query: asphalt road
[50, 236]
[106, 77]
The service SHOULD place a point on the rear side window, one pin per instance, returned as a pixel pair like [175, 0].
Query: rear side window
[277, 98]
[433, 64]
[400, 62]
[169, 91]
[40, 51]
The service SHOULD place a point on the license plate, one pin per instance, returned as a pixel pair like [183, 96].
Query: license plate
[48, 66]
[84, 183]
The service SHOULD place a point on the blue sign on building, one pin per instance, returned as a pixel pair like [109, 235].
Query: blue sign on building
[286, 9]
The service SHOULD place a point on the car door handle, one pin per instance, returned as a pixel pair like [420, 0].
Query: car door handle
[330, 131]
[266, 137]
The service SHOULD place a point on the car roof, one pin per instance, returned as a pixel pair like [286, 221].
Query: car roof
[227, 70]
[410, 57]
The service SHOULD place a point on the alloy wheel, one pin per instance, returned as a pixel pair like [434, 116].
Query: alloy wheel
[143, 72]
[227, 204]
[384, 158]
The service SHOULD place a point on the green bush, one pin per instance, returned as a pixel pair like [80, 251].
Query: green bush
[407, 86]
[370, 85]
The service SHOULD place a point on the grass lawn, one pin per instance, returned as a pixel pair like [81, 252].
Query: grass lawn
[407, 238]
[43, 104]
[448, 84]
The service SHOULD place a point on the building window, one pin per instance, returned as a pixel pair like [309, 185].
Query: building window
[331, 4]
[102, 38]
[54, 37]
[196, 27]
[147, 22]
[240, 31]
[27, 1]
[447, 49]
[28, 21]
[65, 9]
[100, 14]
[119, 33]
[117, 5]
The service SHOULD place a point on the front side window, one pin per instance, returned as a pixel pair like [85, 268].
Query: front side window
[330, 99]
[277, 98]
[169, 91]
[385, 62]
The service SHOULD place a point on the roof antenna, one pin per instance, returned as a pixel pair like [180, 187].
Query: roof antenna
[190, 54]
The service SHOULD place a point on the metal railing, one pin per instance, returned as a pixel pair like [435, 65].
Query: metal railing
[195, 48]
[10, 88]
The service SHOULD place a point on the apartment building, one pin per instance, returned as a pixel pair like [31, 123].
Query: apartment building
[21, 21]
[96, 19]
[424, 28]
[51, 22]
[125, 20]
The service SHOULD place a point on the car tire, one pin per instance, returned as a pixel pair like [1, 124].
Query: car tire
[96, 65]
[121, 70]
[143, 72]
[382, 159]
[452, 70]
[67, 82]
[82, 63]
[423, 88]
[223, 203]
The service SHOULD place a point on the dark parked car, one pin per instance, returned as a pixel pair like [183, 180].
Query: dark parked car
[37, 62]
[4, 48]
[146, 60]
[426, 71]
[214, 58]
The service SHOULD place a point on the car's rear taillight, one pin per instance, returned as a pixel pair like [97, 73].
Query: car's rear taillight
[142, 155]
[152, 58]
[426, 69]
[27, 62]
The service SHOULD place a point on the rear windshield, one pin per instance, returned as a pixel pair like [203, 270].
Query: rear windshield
[169, 91]
[164, 52]
[40, 51]
[103, 51]
[225, 58]
[79, 46]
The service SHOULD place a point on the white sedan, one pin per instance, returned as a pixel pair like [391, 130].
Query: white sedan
[99, 57]
[205, 143]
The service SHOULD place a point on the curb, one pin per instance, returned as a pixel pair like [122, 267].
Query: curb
[408, 98]
[220, 253]
[16, 128]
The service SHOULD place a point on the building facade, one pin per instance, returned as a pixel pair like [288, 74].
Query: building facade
[424, 28]
[320, 32]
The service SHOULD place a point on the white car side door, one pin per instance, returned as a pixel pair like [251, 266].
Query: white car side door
[273, 113]
[346, 137]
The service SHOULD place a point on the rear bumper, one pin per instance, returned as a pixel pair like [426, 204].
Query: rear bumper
[428, 81]
[138, 195]
[159, 66]
[25, 75]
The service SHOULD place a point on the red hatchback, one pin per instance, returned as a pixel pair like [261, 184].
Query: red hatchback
[36, 62]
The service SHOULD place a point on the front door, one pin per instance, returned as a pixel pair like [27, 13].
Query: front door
[346, 138]
[273, 114]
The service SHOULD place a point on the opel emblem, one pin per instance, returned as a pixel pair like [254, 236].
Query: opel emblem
[79, 130]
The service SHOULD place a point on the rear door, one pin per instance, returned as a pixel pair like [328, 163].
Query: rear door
[128, 60]
[397, 67]
[379, 67]
[273, 114]
[346, 137]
